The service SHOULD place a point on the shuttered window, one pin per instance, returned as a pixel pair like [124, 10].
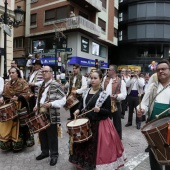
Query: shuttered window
[102, 24]
[33, 19]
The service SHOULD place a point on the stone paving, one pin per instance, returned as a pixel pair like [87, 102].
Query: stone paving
[133, 141]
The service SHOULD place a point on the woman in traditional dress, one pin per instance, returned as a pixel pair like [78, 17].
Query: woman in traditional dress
[104, 150]
[12, 134]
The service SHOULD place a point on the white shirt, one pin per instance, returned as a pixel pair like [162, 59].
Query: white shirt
[83, 86]
[32, 76]
[62, 76]
[123, 92]
[1, 85]
[161, 98]
[55, 103]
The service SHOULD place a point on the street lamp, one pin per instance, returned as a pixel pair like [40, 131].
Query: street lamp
[9, 23]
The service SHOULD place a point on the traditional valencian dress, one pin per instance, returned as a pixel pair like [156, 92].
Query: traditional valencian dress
[12, 135]
[104, 150]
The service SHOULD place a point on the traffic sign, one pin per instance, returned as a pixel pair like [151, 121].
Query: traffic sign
[64, 50]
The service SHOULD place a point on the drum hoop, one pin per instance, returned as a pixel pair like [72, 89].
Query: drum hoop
[6, 106]
[84, 140]
[88, 121]
[36, 131]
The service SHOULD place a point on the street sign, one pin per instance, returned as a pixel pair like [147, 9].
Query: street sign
[64, 50]
[7, 30]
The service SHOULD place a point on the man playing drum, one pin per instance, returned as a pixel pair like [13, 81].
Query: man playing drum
[51, 98]
[77, 85]
[156, 100]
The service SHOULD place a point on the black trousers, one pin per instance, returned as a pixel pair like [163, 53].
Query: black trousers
[49, 141]
[133, 102]
[123, 104]
[154, 164]
[117, 120]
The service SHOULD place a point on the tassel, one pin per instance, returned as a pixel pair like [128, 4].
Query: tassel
[60, 132]
[71, 145]
[168, 135]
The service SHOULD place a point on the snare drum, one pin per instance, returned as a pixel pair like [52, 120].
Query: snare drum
[23, 115]
[37, 123]
[80, 130]
[7, 112]
[70, 102]
[156, 133]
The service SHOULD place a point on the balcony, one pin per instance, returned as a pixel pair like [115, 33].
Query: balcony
[75, 23]
[90, 4]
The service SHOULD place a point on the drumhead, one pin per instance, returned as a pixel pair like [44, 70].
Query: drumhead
[156, 123]
[77, 122]
[4, 106]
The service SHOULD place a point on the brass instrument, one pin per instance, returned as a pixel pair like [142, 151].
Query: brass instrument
[113, 106]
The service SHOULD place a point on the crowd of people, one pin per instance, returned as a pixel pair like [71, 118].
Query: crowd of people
[101, 99]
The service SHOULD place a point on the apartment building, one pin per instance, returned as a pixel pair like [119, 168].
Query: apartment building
[84, 34]
[144, 31]
[9, 39]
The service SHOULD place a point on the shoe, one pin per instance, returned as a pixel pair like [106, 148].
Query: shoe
[128, 124]
[147, 149]
[53, 161]
[122, 116]
[41, 156]
[137, 126]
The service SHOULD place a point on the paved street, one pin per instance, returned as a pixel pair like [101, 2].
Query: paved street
[133, 141]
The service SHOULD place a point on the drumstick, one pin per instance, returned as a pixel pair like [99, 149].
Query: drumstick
[157, 116]
[85, 113]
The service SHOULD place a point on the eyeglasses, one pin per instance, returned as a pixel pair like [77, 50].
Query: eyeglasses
[45, 71]
[161, 69]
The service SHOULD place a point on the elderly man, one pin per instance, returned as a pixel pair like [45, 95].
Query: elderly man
[135, 88]
[156, 100]
[77, 85]
[116, 88]
[51, 97]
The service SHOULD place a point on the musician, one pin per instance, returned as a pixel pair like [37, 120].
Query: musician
[12, 135]
[51, 97]
[36, 76]
[2, 85]
[116, 88]
[125, 77]
[77, 85]
[104, 149]
[14, 64]
[135, 88]
[156, 101]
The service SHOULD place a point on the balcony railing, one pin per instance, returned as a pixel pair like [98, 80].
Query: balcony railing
[78, 23]
[95, 3]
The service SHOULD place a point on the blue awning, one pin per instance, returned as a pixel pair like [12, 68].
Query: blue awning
[84, 62]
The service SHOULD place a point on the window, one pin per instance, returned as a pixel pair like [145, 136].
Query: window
[104, 3]
[103, 51]
[56, 14]
[115, 33]
[102, 24]
[18, 42]
[120, 16]
[95, 48]
[116, 12]
[120, 35]
[33, 19]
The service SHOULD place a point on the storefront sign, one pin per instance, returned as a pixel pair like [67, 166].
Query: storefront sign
[84, 44]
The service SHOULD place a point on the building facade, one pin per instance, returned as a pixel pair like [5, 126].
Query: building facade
[144, 32]
[82, 30]
[9, 41]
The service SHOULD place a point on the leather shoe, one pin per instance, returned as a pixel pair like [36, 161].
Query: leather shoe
[128, 124]
[41, 156]
[53, 161]
[137, 126]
